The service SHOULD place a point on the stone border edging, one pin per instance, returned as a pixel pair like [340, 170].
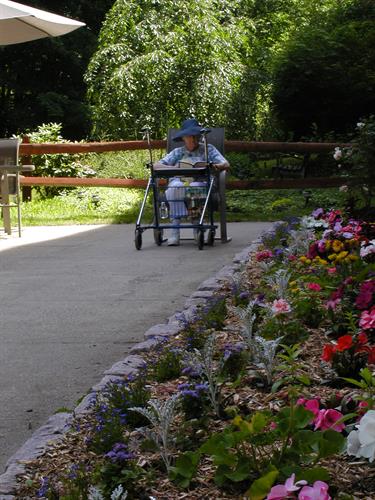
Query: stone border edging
[58, 425]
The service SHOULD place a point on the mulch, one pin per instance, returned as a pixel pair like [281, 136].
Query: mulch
[352, 476]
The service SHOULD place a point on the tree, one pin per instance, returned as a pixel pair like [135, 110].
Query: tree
[160, 61]
[325, 76]
[42, 81]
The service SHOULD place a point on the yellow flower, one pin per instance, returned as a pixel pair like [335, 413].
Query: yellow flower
[353, 257]
[323, 262]
[342, 255]
[303, 258]
[337, 246]
[328, 244]
[308, 261]
[292, 283]
[333, 256]
[294, 290]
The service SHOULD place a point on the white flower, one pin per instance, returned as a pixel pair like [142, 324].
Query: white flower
[353, 445]
[308, 222]
[361, 442]
[360, 125]
[337, 154]
[367, 249]
[343, 189]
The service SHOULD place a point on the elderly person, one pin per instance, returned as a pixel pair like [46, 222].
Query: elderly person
[192, 151]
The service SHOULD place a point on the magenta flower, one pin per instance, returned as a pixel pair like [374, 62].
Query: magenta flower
[263, 255]
[366, 292]
[314, 287]
[319, 491]
[313, 406]
[285, 490]
[327, 419]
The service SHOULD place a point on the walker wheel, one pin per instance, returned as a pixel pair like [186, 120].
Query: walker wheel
[200, 239]
[138, 239]
[158, 236]
[211, 237]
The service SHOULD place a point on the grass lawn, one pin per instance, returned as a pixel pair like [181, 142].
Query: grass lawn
[121, 205]
[118, 206]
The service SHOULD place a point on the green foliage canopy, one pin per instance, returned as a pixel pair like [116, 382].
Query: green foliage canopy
[160, 60]
[325, 75]
[42, 81]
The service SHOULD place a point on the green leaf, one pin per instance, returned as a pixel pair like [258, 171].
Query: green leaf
[276, 385]
[241, 472]
[259, 422]
[315, 474]
[331, 443]
[185, 468]
[304, 379]
[260, 487]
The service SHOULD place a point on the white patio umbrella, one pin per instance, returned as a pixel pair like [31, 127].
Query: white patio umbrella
[20, 23]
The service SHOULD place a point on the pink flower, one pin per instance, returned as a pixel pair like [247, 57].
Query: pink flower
[326, 419]
[314, 286]
[319, 491]
[280, 306]
[313, 406]
[367, 320]
[281, 491]
[332, 303]
[331, 270]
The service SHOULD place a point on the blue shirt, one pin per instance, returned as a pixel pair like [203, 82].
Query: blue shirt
[198, 154]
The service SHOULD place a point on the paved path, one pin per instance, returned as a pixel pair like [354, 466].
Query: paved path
[72, 302]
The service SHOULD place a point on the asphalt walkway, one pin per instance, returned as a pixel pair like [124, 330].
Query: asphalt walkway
[74, 299]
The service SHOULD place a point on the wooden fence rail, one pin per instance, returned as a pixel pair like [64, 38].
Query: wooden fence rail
[312, 182]
[27, 149]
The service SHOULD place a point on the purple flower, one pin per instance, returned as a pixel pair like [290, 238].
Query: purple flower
[348, 235]
[44, 486]
[184, 386]
[317, 213]
[119, 453]
[231, 349]
[189, 392]
[201, 387]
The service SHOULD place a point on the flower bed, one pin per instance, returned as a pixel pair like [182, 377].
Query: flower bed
[269, 393]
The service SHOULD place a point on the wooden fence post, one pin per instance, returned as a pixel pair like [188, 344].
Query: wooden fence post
[26, 160]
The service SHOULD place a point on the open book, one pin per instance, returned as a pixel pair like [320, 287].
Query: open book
[186, 164]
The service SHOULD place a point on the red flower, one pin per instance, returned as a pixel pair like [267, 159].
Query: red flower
[345, 342]
[313, 250]
[362, 338]
[371, 356]
[328, 352]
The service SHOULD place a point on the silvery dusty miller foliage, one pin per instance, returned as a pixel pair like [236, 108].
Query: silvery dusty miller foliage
[117, 494]
[160, 414]
[279, 280]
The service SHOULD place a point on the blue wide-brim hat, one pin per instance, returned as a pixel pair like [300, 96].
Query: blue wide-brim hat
[188, 127]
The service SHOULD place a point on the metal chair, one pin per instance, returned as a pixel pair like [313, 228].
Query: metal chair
[216, 138]
[10, 181]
